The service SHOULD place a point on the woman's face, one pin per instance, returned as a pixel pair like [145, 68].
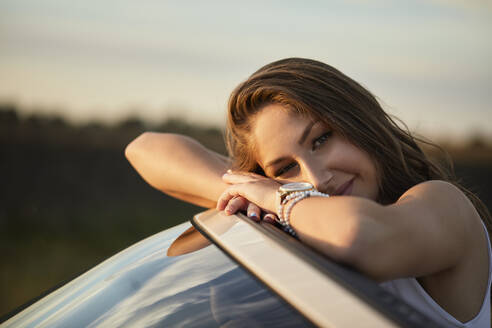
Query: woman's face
[293, 148]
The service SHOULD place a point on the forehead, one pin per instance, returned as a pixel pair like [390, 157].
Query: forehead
[276, 131]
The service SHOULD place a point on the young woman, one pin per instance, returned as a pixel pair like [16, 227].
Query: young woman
[392, 213]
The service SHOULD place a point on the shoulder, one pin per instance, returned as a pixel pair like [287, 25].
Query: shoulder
[456, 274]
[443, 206]
[434, 188]
[440, 197]
[435, 227]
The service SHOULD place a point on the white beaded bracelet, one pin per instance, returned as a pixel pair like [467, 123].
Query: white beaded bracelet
[284, 215]
[280, 208]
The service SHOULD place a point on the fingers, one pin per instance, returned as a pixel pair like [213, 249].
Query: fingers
[232, 203]
[225, 198]
[236, 204]
[270, 218]
[247, 197]
[253, 212]
[239, 203]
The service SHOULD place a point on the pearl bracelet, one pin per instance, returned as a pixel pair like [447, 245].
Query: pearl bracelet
[284, 214]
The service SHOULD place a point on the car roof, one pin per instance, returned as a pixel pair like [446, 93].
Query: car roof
[325, 292]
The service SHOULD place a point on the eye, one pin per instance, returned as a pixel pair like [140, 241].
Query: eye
[321, 140]
[285, 169]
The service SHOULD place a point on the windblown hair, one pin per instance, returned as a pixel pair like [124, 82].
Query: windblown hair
[321, 92]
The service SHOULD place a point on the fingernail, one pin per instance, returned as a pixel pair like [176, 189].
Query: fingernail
[229, 171]
[269, 218]
[253, 216]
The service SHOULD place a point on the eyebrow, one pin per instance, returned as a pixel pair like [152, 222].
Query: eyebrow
[301, 140]
[305, 133]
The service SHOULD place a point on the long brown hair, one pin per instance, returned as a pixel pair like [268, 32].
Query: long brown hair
[319, 91]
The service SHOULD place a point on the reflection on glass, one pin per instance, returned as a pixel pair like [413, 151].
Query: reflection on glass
[201, 288]
[191, 240]
[143, 287]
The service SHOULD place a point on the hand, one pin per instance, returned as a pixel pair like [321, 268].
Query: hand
[239, 203]
[252, 210]
[253, 188]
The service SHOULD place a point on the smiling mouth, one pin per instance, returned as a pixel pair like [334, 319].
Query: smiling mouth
[344, 189]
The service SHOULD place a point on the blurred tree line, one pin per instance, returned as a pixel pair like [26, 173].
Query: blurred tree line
[69, 199]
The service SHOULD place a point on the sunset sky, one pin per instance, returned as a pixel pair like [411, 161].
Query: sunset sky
[429, 62]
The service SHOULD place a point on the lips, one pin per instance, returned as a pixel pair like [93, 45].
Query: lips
[344, 189]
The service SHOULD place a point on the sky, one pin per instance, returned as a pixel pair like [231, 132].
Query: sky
[428, 62]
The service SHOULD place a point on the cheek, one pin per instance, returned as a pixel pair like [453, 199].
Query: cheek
[367, 169]
[357, 160]
[372, 178]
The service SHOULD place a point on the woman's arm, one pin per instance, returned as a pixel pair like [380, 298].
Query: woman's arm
[433, 227]
[179, 166]
[432, 233]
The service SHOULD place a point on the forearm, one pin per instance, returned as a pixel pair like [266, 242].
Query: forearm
[344, 228]
[179, 166]
[412, 237]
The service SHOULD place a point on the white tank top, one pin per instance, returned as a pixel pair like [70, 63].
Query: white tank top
[414, 294]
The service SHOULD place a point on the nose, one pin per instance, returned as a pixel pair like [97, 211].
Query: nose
[318, 176]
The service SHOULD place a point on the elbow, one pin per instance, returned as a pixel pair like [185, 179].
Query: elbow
[148, 142]
[135, 146]
[131, 148]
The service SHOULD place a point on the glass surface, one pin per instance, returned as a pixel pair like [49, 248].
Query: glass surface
[203, 289]
[144, 287]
